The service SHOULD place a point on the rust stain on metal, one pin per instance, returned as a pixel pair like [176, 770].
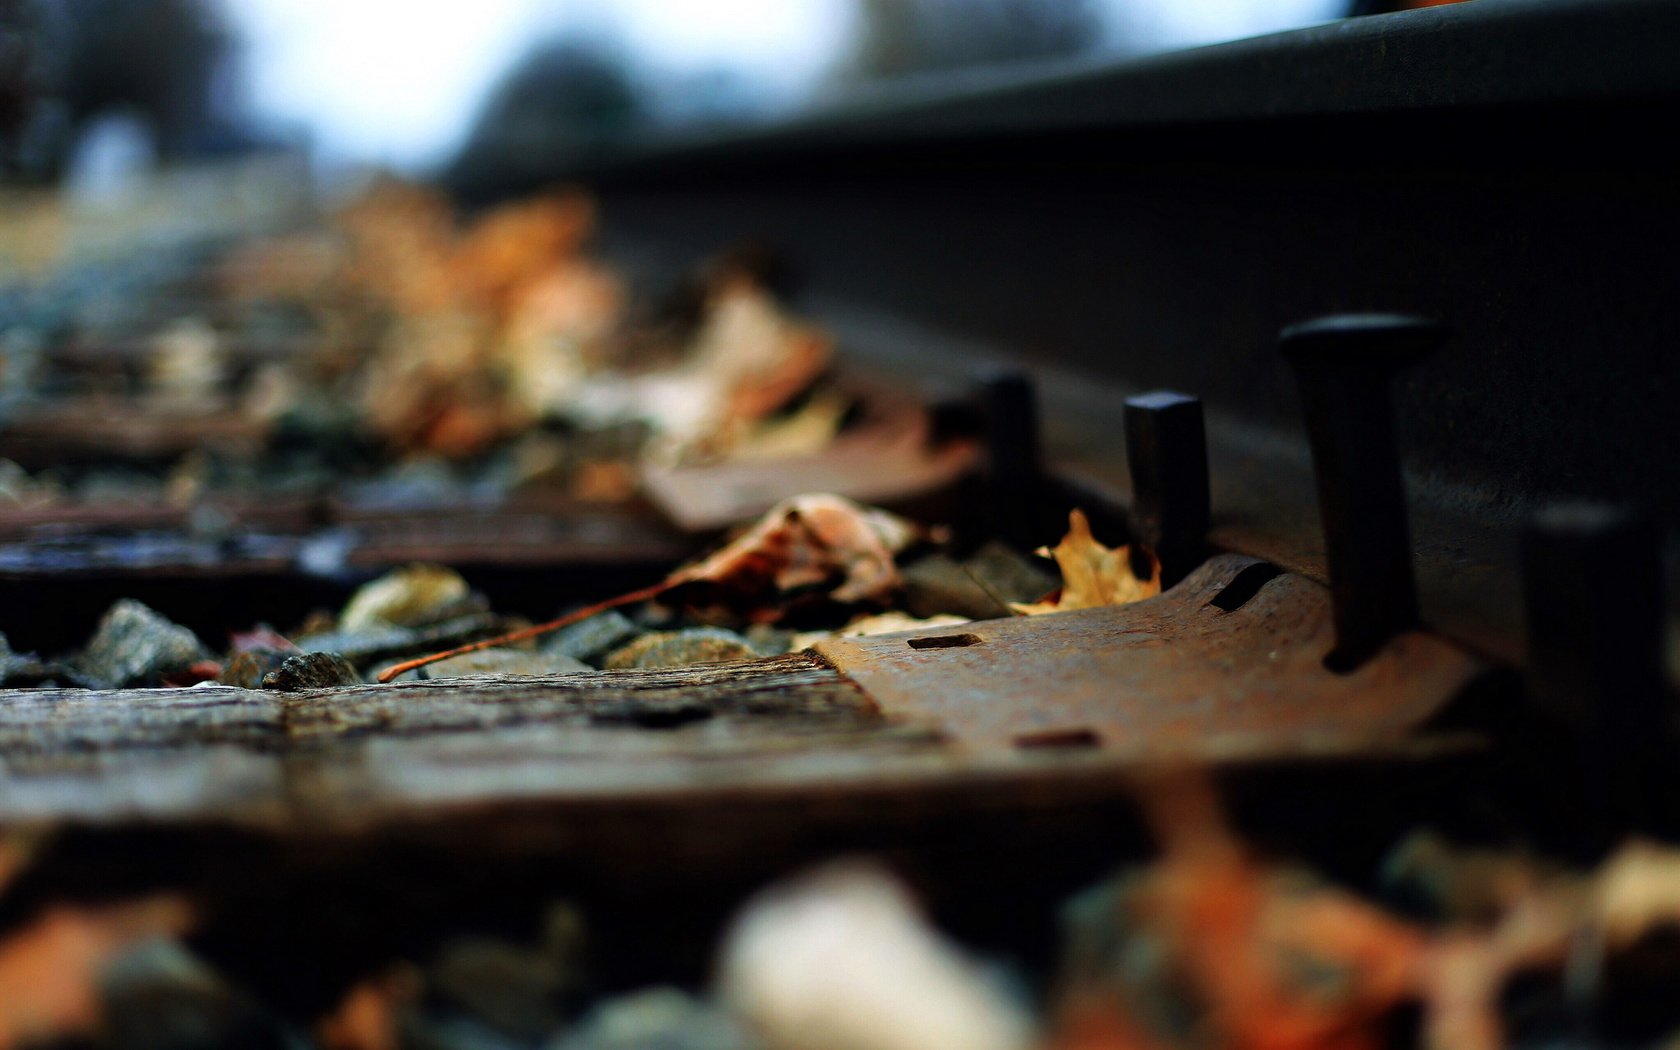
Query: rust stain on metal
[1195, 672]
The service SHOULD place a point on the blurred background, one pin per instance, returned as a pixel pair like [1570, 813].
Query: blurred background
[91, 90]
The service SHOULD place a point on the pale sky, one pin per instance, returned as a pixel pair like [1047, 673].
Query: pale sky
[398, 81]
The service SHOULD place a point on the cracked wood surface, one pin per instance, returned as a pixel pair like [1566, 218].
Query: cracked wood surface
[340, 755]
[52, 721]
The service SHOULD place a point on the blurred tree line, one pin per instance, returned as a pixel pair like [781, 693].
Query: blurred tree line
[568, 95]
[172, 65]
[574, 97]
[168, 64]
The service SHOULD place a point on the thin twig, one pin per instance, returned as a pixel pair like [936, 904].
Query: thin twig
[999, 600]
[643, 595]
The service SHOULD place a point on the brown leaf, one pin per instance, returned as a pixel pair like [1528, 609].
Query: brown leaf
[1636, 891]
[366, 1018]
[1092, 575]
[816, 540]
[1098, 1023]
[49, 969]
[807, 541]
[1241, 930]
[15, 848]
[519, 240]
[194, 673]
[261, 636]
[890, 622]
[747, 361]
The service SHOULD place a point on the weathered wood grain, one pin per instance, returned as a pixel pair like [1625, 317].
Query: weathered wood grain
[795, 686]
[344, 755]
[54, 721]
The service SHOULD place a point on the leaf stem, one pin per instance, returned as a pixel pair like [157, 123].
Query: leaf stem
[644, 594]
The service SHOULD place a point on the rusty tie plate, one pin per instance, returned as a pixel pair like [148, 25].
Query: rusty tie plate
[1228, 662]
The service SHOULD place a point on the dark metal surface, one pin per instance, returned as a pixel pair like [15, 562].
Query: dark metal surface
[1593, 596]
[1177, 676]
[1499, 165]
[1345, 366]
[1014, 466]
[1594, 602]
[1166, 450]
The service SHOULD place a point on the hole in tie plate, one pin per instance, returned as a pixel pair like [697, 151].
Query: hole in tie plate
[1059, 738]
[1245, 585]
[944, 641]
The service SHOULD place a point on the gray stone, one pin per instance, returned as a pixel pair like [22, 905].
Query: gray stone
[158, 996]
[979, 588]
[311, 671]
[247, 670]
[391, 643]
[697, 645]
[516, 989]
[20, 668]
[1010, 575]
[938, 585]
[655, 616]
[657, 1019]
[770, 641]
[413, 596]
[593, 638]
[450, 1029]
[522, 989]
[134, 645]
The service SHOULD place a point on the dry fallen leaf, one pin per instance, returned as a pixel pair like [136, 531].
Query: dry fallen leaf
[366, 1018]
[187, 361]
[603, 481]
[808, 541]
[1243, 930]
[889, 622]
[15, 850]
[1092, 575]
[49, 969]
[515, 241]
[556, 319]
[1212, 947]
[817, 541]
[261, 636]
[805, 432]
[1636, 891]
[748, 360]
[1547, 921]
